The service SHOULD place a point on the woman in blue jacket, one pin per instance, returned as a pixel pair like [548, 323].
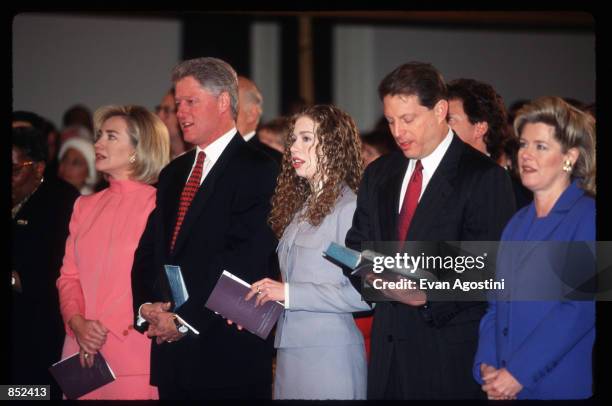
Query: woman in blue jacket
[534, 342]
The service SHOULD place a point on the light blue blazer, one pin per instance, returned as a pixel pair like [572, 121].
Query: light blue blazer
[321, 298]
[546, 345]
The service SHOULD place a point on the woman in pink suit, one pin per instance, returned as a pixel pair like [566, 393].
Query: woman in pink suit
[132, 146]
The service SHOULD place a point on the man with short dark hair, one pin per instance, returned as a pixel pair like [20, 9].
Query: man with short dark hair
[437, 188]
[166, 111]
[211, 210]
[478, 116]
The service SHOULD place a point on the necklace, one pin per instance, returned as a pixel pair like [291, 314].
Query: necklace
[19, 205]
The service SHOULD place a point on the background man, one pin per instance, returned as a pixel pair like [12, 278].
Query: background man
[166, 111]
[477, 114]
[249, 113]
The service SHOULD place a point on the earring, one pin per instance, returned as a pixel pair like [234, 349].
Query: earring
[567, 166]
[133, 159]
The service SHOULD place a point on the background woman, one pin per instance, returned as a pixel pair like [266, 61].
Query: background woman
[77, 160]
[41, 212]
[320, 350]
[542, 350]
[95, 286]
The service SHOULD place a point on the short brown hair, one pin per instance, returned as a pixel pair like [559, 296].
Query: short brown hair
[149, 136]
[415, 79]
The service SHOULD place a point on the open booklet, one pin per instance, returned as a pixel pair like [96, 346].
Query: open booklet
[227, 299]
[77, 381]
[362, 263]
[379, 282]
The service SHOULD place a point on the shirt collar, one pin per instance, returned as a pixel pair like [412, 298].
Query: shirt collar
[431, 161]
[247, 137]
[214, 150]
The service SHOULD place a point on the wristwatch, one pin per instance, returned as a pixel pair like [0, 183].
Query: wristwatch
[180, 326]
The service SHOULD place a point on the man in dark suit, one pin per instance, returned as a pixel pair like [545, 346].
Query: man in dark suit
[41, 212]
[223, 227]
[477, 114]
[249, 113]
[436, 188]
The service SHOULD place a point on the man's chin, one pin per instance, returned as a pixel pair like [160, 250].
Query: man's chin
[410, 154]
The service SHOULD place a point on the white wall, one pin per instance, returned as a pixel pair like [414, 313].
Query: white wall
[266, 66]
[60, 60]
[518, 64]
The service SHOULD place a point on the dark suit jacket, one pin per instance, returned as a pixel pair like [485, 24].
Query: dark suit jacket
[39, 233]
[224, 229]
[469, 197]
[271, 152]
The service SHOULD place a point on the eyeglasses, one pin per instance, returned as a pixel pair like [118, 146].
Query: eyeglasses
[165, 109]
[18, 167]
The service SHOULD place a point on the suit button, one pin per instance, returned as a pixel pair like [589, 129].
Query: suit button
[125, 332]
[390, 338]
[130, 327]
[503, 363]
[505, 331]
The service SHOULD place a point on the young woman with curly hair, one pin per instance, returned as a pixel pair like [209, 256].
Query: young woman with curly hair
[320, 350]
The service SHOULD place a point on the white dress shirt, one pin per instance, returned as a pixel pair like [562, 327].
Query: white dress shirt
[213, 151]
[430, 164]
[247, 137]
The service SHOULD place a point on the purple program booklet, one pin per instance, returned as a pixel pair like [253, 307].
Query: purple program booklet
[77, 381]
[227, 299]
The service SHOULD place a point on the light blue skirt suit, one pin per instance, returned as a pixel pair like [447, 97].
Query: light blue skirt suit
[321, 353]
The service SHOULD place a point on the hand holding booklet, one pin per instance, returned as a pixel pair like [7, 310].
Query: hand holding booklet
[77, 381]
[362, 265]
[227, 299]
[177, 285]
[179, 291]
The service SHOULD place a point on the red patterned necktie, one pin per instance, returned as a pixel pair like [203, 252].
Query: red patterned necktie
[411, 199]
[189, 191]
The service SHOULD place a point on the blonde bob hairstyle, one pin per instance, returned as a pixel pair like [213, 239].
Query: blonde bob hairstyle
[148, 135]
[573, 129]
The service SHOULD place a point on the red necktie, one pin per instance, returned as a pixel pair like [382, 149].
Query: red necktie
[189, 191]
[411, 199]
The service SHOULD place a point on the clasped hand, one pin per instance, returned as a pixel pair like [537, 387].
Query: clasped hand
[161, 322]
[265, 290]
[499, 384]
[90, 335]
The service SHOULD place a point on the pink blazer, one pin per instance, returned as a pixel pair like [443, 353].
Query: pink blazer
[95, 279]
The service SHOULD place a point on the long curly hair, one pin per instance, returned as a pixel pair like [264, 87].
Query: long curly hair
[338, 153]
